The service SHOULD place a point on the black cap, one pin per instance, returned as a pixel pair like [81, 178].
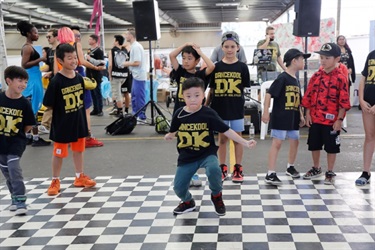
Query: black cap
[294, 53]
[329, 49]
[230, 35]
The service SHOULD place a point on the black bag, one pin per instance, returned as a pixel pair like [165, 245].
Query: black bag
[123, 125]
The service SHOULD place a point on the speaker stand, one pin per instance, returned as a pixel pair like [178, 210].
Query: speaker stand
[305, 69]
[151, 101]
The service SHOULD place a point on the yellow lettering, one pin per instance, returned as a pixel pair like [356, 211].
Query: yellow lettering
[8, 124]
[194, 139]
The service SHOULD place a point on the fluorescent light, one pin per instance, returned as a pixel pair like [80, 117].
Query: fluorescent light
[228, 4]
[121, 0]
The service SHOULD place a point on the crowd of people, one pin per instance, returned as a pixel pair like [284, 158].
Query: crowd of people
[196, 117]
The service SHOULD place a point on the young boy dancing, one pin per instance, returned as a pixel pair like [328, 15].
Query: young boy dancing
[69, 125]
[17, 118]
[287, 115]
[194, 125]
[326, 101]
[191, 55]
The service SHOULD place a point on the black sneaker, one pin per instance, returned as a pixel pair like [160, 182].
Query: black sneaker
[40, 143]
[113, 111]
[94, 112]
[272, 179]
[313, 173]
[330, 178]
[219, 204]
[100, 113]
[291, 171]
[185, 207]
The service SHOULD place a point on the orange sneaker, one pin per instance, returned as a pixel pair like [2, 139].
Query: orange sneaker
[84, 181]
[92, 142]
[54, 188]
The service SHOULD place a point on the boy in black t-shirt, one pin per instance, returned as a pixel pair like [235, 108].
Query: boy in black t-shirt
[191, 54]
[286, 114]
[69, 123]
[194, 125]
[227, 84]
[18, 118]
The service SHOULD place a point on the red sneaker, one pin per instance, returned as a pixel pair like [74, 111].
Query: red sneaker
[237, 175]
[92, 142]
[224, 172]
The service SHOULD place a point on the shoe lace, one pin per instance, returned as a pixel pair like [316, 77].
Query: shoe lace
[237, 172]
[313, 171]
[54, 183]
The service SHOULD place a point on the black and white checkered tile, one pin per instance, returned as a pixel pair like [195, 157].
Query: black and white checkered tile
[136, 213]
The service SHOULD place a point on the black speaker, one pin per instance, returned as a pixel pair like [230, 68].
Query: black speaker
[146, 20]
[307, 22]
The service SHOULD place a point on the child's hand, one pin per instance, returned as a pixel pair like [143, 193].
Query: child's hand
[302, 121]
[266, 116]
[308, 120]
[251, 144]
[168, 137]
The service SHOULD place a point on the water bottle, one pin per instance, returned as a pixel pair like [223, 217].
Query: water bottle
[251, 131]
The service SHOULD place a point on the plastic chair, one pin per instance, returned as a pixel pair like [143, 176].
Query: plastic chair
[263, 91]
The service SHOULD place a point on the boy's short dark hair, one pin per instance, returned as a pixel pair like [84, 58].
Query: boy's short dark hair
[13, 71]
[95, 37]
[62, 49]
[120, 39]
[193, 82]
[189, 49]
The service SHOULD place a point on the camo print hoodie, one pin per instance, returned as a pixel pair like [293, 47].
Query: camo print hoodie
[325, 95]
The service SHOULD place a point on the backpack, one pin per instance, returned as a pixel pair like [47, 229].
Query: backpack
[161, 125]
[123, 125]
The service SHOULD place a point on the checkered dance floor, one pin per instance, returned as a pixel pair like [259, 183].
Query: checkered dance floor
[136, 213]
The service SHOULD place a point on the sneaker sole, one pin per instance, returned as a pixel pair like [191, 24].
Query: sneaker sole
[53, 194]
[186, 211]
[94, 146]
[12, 208]
[21, 211]
[293, 176]
[237, 181]
[312, 177]
[273, 183]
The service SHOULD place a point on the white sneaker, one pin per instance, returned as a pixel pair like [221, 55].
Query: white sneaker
[43, 130]
[141, 121]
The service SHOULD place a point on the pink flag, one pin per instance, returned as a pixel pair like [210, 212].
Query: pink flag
[96, 12]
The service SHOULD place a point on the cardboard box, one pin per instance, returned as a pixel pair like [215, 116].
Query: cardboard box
[162, 95]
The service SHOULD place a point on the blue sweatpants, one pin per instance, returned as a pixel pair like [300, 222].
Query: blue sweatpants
[185, 172]
[138, 97]
[10, 166]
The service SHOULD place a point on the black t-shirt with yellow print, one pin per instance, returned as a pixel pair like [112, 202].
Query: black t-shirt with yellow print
[228, 82]
[65, 96]
[15, 115]
[286, 94]
[195, 133]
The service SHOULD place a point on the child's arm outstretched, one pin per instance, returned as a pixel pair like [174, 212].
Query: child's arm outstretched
[231, 134]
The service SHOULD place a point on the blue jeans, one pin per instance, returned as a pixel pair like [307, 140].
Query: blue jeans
[138, 97]
[186, 171]
[10, 166]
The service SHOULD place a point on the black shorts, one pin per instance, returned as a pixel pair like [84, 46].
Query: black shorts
[320, 135]
[126, 87]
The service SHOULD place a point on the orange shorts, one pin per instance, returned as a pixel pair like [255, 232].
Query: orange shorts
[61, 149]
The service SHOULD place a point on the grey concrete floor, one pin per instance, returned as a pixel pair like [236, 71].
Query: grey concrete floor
[144, 152]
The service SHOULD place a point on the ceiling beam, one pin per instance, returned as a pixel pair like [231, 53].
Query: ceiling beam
[167, 18]
[34, 14]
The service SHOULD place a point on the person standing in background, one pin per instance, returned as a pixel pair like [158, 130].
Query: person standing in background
[346, 58]
[95, 56]
[137, 65]
[47, 115]
[269, 43]
[34, 89]
[118, 75]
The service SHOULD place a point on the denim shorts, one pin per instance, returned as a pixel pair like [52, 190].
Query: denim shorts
[284, 134]
[236, 125]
